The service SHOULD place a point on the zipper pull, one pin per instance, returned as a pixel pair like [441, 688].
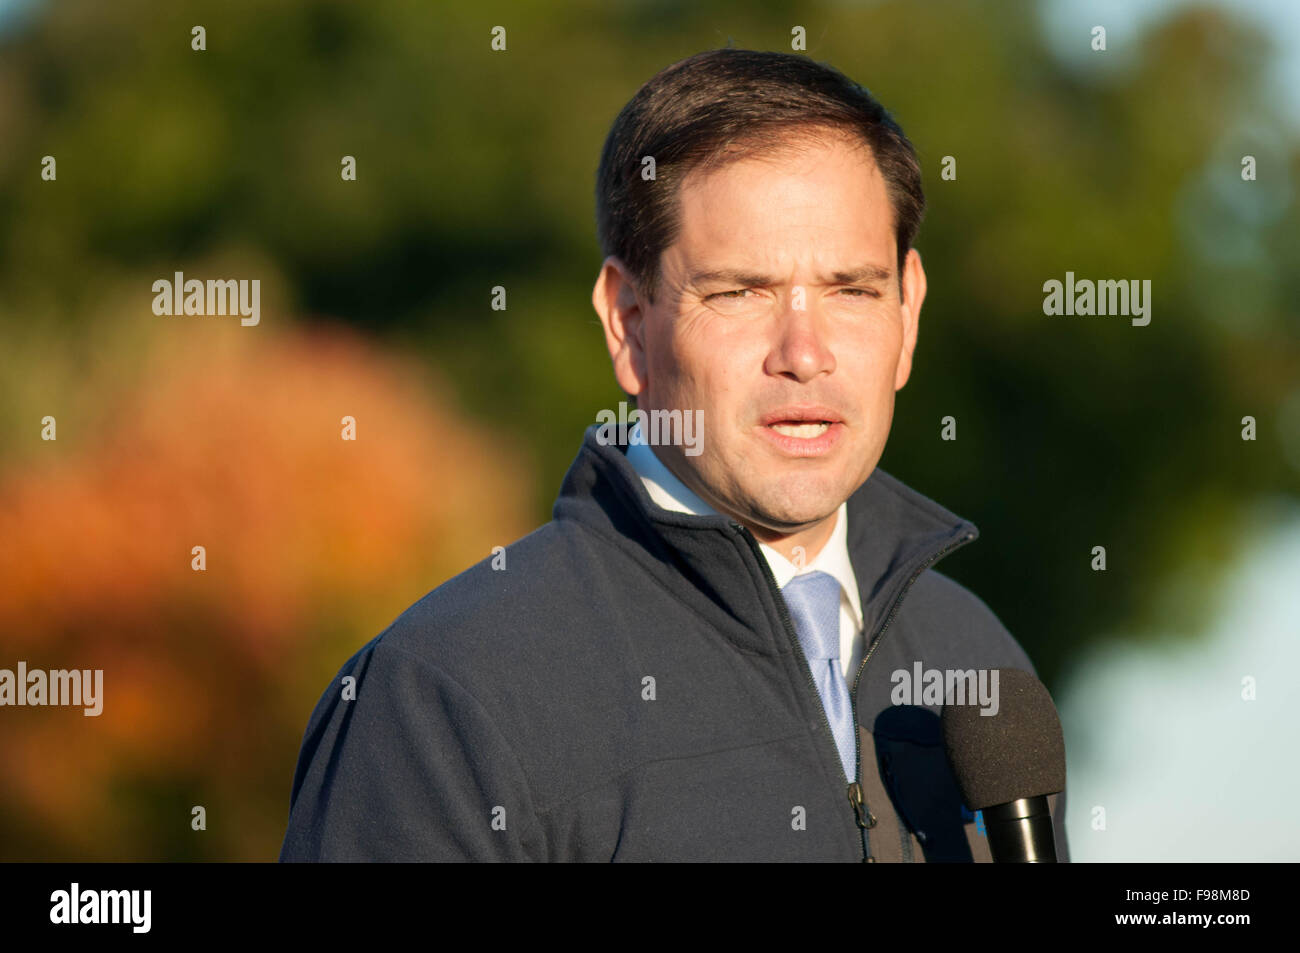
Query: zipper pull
[860, 808]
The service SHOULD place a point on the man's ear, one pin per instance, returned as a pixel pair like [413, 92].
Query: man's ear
[913, 297]
[615, 300]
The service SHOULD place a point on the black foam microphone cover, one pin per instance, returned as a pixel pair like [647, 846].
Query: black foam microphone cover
[1006, 764]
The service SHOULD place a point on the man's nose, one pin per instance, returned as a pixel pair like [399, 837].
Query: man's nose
[800, 342]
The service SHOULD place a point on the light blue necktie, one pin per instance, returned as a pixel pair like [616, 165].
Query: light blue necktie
[814, 602]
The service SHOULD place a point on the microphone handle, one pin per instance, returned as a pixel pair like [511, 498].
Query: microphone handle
[1021, 831]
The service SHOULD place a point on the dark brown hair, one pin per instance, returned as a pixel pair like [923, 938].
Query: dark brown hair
[722, 105]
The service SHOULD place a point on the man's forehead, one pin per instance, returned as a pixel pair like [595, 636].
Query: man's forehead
[758, 187]
[736, 231]
[780, 155]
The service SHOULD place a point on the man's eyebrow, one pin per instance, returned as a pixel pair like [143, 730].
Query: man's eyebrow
[862, 273]
[730, 276]
[747, 279]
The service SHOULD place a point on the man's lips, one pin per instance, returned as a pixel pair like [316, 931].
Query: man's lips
[804, 431]
[805, 413]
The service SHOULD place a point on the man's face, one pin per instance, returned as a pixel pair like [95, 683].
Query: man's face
[778, 315]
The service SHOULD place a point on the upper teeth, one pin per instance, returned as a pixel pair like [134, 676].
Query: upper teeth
[803, 431]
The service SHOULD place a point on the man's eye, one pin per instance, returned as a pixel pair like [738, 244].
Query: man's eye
[729, 294]
[861, 292]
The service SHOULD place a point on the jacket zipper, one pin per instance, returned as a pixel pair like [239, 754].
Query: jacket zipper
[861, 811]
[790, 632]
[855, 788]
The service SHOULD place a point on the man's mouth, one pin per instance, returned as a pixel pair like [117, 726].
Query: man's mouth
[807, 431]
[803, 431]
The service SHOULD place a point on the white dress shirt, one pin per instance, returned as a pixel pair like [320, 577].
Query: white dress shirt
[671, 494]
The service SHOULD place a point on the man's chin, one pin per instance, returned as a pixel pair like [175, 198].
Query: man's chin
[784, 504]
[787, 516]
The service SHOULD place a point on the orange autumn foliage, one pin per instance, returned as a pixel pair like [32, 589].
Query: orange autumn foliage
[228, 440]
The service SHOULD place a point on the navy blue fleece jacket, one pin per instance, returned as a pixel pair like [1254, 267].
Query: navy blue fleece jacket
[628, 687]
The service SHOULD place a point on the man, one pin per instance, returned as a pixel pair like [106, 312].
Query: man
[694, 659]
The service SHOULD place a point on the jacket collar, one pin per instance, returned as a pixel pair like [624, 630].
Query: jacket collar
[894, 533]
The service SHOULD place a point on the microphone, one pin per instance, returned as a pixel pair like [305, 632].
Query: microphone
[1006, 764]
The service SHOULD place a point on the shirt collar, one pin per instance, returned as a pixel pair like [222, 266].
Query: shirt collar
[672, 494]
